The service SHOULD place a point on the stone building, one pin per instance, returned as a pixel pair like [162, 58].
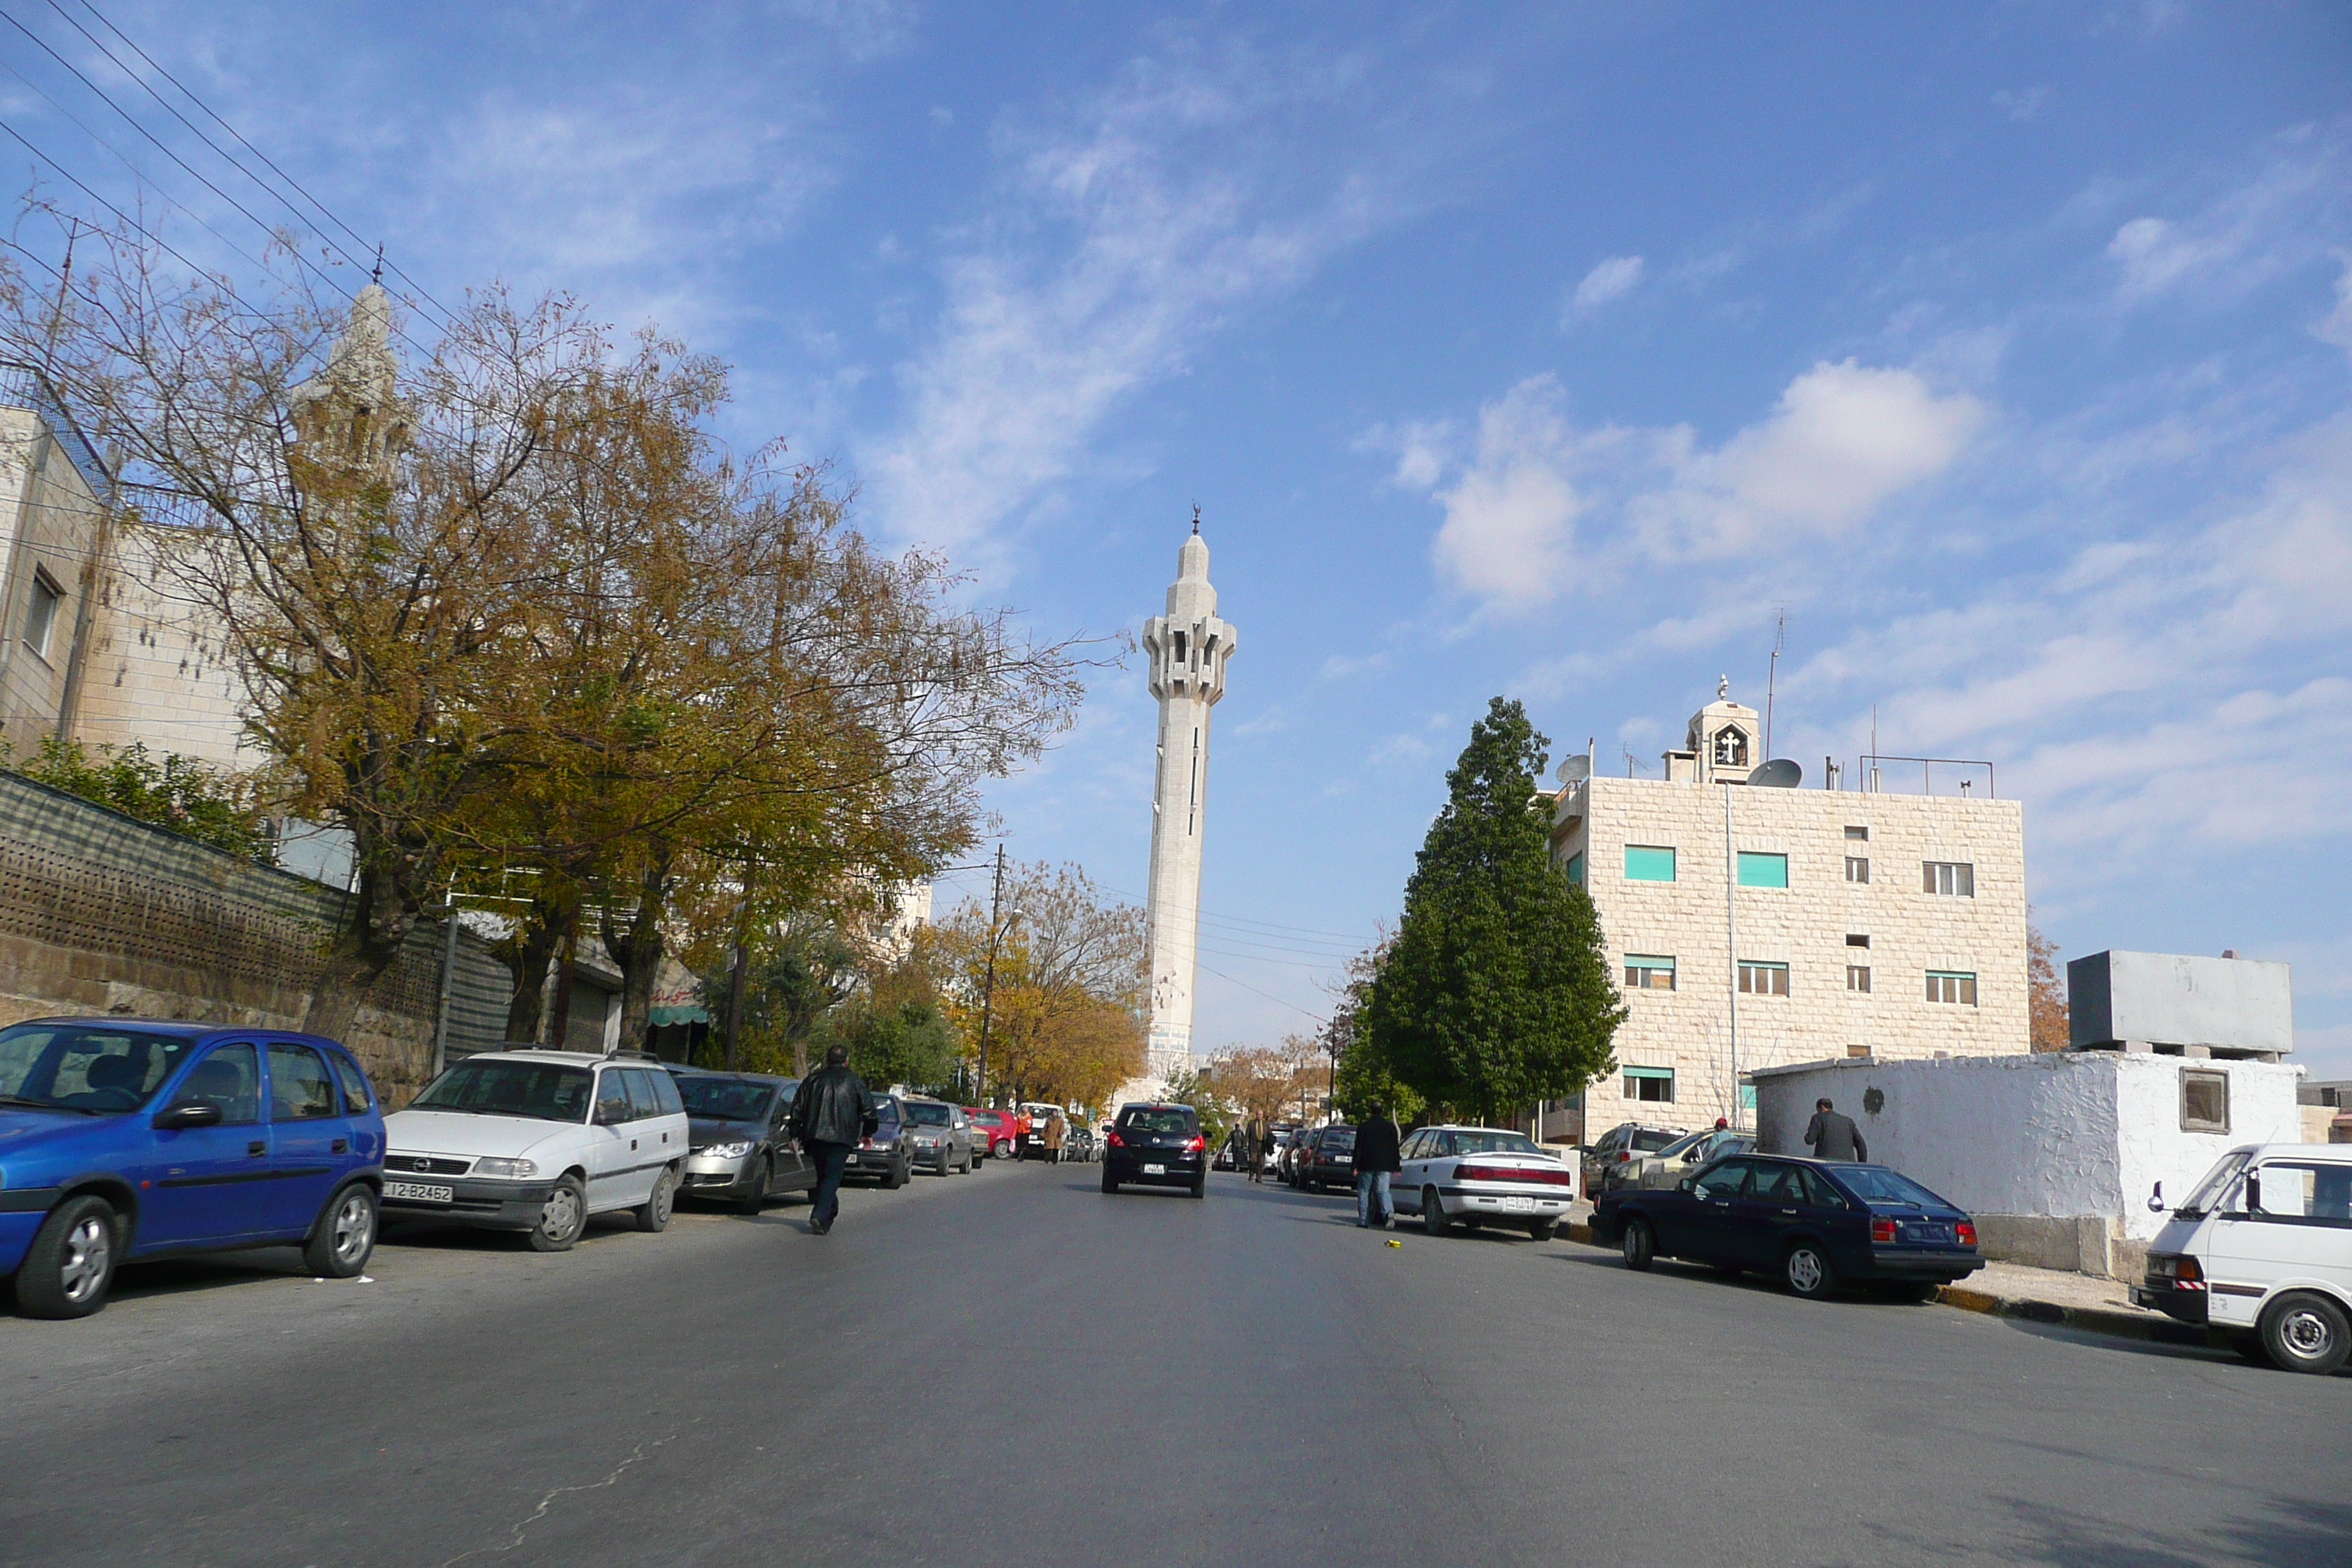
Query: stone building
[1752, 926]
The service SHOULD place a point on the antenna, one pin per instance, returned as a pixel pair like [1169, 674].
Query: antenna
[1772, 673]
[1629, 760]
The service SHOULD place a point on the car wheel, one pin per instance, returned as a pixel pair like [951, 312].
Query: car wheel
[757, 1199]
[69, 1267]
[1543, 1229]
[1640, 1246]
[1433, 1213]
[2305, 1332]
[561, 1217]
[1807, 1269]
[655, 1214]
[339, 1248]
[896, 1177]
[1109, 1185]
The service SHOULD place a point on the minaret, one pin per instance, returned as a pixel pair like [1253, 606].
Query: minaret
[1187, 648]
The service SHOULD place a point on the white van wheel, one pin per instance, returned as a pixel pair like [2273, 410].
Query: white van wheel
[2305, 1332]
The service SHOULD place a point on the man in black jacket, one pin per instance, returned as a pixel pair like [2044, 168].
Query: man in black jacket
[1376, 1161]
[831, 1112]
[1834, 1137]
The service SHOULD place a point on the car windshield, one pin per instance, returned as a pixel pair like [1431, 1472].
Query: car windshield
[922, 1113]
[1480, 1142]
[1648, 1143]
[1157, 1121]
[727, 1099]
[1877, 1184]
[2206, 1194]
[1685, 1143]
[94, 1070]
[546, 1090]
[884, 1108]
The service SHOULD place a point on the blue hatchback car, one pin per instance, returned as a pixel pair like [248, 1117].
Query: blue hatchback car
[124, 1139]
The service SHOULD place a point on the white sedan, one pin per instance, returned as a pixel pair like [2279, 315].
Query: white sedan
[1482, 1175]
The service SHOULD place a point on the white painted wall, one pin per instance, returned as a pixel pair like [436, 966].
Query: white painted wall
[2062, 1134]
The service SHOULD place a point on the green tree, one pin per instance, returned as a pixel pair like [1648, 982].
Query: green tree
[1496, 993]
[1363, 1081]
[169, 791]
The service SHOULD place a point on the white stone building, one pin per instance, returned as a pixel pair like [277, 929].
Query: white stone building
[1188, 649]
[1753, 926]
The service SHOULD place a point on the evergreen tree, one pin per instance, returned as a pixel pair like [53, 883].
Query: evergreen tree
[1496, 993]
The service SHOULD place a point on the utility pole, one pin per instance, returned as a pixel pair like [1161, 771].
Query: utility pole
[988, 985]
[1731, 941]
[448, 982]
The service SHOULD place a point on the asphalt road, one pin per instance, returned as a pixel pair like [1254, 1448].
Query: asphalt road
[1013, 1368]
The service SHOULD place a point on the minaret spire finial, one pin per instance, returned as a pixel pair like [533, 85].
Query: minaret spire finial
[377, 276]
[1196, 517]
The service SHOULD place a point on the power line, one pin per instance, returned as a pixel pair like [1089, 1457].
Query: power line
[1269, 996]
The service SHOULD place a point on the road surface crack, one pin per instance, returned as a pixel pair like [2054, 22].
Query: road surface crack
[514, 1540]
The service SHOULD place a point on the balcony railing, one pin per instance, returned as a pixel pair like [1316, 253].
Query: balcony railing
[24, 386]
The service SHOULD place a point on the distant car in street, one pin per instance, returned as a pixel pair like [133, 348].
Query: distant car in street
[1326, 1158]
[123, 1140]
[1685, 1156]
[1288, 1137]
[539, 1142]
[1620, 1145]
[993, 1130]
[944, 1142]
[1482, 1175]
[738, 1148]
[1815, 1224]
[1156, 1146]
[888, 1155]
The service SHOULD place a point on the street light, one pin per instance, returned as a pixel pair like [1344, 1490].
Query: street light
[996, 929]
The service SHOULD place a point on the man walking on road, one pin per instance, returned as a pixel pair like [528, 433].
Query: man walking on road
[1376, 1161]
[1057, 1131]
[1834, 1137]
[831, 1112]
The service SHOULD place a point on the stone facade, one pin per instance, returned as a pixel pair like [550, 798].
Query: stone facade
[1188, 649]
[54, 522]
[1793, 982]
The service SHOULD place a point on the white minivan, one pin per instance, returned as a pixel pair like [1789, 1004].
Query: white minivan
[537, 1141]
[2261, 1250]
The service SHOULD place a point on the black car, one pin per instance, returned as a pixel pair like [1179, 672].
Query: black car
[739, 1151]
[1156, 1146]
[1327, 1159]
[1815, 1224]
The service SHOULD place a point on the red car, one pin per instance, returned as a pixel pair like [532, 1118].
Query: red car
[1001, 1129]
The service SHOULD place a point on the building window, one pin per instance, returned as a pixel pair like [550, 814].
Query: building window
[1763, 979]
[1857, 868]
[1857, 1050]
[1643, 972]
[1650, 1083]
[1576, 868]
[41, 616]
[1952, 878]
[2204, 1102]
[1950, 985]
[1852, 939]
[1763, 871]
[1649, 863]
[1180, 648]
[1731, 747]
[1859, 832]
[1857, 977]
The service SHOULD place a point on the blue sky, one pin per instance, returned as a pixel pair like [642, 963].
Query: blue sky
[2006, 349]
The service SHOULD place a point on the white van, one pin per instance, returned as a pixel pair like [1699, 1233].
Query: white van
[2261, 1250]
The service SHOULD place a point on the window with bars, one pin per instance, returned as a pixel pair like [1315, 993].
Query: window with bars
[1857, 977]
[1646, 971]
[1857, 868]
[1763, 979]
[1952, 985]
[1951, 878]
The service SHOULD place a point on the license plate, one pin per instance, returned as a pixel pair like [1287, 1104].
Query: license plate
[419, 1192]
[1343, 1159]
[1155, 1169]
[1518, 1203]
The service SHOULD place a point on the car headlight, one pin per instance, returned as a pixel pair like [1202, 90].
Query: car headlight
[925, 1142]
[511, 1169]
[735, 1151]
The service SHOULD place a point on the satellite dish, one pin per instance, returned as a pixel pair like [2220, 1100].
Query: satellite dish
[1575, 769]
[1777, 773]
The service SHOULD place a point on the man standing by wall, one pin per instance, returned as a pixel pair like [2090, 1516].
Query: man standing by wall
[1833, 1137]
[1376, 1161]
[831, 1112]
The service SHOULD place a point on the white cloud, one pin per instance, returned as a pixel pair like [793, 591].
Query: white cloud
[1609, 280]
[2021, 104]
[1510, 518]
[2272, 221]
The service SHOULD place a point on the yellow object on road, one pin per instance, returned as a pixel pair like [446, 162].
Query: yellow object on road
[1394, 1242]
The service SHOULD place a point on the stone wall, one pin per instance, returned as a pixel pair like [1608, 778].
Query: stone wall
[102, 913]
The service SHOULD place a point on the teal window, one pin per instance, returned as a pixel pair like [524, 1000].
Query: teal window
[1952, 985]
[1650, 1083]
[1758, 979]
[1647, 973]
[1747, 1096]
[1649, 863]
[1576, 867]
[1763, 871]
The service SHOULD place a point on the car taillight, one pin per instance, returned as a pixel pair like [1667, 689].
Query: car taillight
[1195, 1144]
[1114, 1139]
[1623, 1155]
[1966, 1231]
[1537, 1175]
[1882, 1229]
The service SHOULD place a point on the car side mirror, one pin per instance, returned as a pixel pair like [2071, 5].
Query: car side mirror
[2253, 1192]
[2156, 1199]
[188, 1113]
[1687, 1184]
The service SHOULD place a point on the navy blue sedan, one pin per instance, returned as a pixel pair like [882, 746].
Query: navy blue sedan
[124, 1138]
[1814, 1223]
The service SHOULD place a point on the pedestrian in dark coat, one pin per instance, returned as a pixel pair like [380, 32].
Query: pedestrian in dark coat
[1834, 1137]
[831, 1113]
[1377, 1141]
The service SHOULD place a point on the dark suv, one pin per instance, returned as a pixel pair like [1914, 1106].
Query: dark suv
[1156, 1146]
